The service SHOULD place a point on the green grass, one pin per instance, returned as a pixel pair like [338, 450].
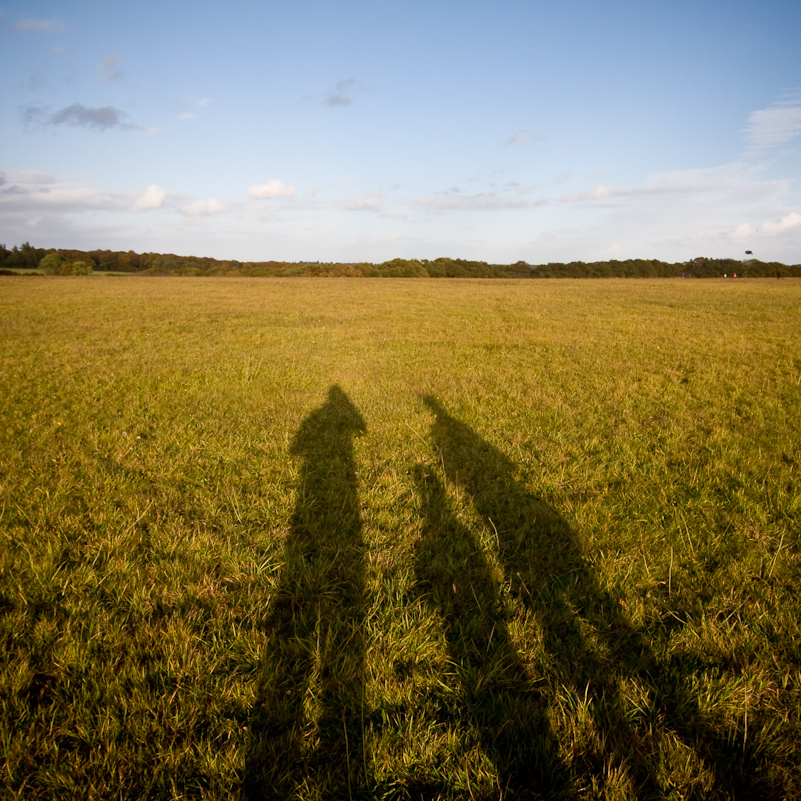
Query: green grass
[400, 539]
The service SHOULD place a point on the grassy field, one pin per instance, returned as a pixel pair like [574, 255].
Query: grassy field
[330, 539]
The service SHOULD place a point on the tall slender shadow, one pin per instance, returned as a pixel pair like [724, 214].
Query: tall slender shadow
[502, 704]
[590, 645]
[307, 726]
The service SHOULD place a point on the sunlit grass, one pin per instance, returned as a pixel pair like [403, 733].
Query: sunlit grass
[578, 517]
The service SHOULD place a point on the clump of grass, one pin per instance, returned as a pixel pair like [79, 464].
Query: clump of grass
[499, 539]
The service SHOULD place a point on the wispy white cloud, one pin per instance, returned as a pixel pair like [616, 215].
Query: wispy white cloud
[728, 180]
[771, 228]
[203, 208]
[521, 189]
[674, 216]
[107, 70]
[341, 94]
[27, 177]
[35, 82]
[71, 211]
[454, 202]
[24, 192]
[26, 195]
[273, 189]
[521, 137]
[598, 192]
[775, 125]
[372, 201]
[105, 118]
[28, 24]
[346, 181]
[186, 107]
[152, 199]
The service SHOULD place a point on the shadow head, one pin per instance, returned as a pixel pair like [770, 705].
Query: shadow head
[341, 413]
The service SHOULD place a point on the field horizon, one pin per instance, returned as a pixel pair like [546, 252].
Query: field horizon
[400, 539]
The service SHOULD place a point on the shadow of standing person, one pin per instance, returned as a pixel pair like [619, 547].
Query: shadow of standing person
[544, 566]
[589, 644]
[307, 725]
[502, 704]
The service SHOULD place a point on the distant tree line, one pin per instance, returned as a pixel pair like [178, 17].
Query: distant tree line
[700, 267]
[78, 262]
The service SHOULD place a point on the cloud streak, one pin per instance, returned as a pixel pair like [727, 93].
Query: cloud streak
[770, 229]
[203, 208]
[775, 125]
[105, 118]
[372, 201]
[521, 137]
[673, 215]
[272, 190]
[30, 193]
[682, 186]
[107, 71]
[340, 95]
[53, 25]
[439, 204]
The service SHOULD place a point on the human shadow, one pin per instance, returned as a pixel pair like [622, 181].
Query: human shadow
[307, 727]
[589, 644]
[502, 705]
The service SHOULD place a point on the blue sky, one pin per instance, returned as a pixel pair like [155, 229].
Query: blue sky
[370, 129]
